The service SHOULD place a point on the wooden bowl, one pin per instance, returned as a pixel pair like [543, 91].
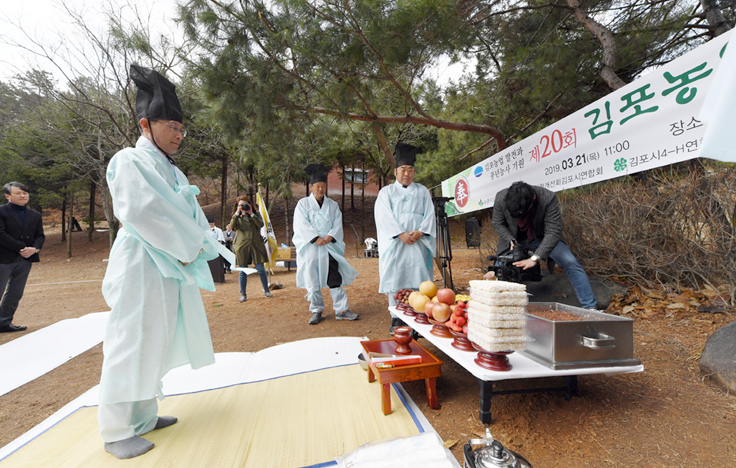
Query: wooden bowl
[402, 337]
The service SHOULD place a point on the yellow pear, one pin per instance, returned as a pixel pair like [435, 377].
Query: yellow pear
[412, 295]
[428, 288]
[420, 300]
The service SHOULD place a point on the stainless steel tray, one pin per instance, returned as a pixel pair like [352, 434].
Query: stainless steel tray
[598, 340]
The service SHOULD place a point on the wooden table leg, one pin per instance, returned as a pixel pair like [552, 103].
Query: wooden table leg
[431, 385]
[386, 398]
[371, 375]
[486, 393]
[571, 383]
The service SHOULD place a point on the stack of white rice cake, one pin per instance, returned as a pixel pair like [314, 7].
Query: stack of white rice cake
[497, 315]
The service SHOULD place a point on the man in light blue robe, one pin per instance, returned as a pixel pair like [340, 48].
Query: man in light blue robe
[407, 233]
[157, 265]
[318, 237]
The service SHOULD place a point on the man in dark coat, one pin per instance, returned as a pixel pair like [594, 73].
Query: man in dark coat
[531, 216]
[21, 238]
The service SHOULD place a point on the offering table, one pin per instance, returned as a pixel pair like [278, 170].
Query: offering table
[521, 368]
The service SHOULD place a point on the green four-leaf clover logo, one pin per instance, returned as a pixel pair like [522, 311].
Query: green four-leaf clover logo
[620, 164]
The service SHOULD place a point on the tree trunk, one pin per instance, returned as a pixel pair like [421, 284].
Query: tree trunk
[113, 223]
[223, 191]
[362, 202]
[286, 220]
[381, 139]
[70, 216]
[343, 188]
[608, 42]
[714, 16]
[352, 189]
[92, 207]
[63, 220]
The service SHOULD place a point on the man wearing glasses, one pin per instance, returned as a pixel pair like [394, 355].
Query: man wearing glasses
[530, 216]
[157, 265]
[405, 224]
[21, 238]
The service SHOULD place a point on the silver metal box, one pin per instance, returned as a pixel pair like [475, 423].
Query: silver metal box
[598, 340]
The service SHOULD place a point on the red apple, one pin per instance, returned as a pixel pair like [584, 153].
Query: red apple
[446, 296]
[428, 307]
[441, 312]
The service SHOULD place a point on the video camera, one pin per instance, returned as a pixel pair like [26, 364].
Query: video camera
[503, 265]
[439, 204]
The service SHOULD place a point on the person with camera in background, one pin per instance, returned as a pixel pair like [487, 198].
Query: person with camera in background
[249, 246]
[530, 216]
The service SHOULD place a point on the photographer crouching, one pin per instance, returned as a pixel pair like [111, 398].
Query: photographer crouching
[528, 219]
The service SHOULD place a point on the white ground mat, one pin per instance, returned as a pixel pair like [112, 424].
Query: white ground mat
[31, 356]
[236, 368]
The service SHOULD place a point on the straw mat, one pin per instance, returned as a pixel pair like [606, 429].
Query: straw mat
[299, 420]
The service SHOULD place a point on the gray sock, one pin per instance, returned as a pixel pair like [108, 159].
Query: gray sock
[129, 448]
[165, 421]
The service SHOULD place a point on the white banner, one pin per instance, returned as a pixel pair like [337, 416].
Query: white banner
[649, 123]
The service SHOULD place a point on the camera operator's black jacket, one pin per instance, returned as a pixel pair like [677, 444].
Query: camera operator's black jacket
[546, 225]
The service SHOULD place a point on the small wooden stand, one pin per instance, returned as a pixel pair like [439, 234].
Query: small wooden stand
[439, 329]
[429, 370]
[407, 310]
[493, 361]
[422, 318]
[461, 342]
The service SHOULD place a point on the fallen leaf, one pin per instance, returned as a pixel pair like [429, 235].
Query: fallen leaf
[677, 297]
[450, 443]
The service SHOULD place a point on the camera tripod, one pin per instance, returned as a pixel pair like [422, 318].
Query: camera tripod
[444, 249]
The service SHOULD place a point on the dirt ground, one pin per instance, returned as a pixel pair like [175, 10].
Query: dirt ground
[668, 416]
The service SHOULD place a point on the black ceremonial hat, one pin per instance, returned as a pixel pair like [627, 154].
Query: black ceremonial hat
[317, 173]
[156, 98]
[406, 154]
